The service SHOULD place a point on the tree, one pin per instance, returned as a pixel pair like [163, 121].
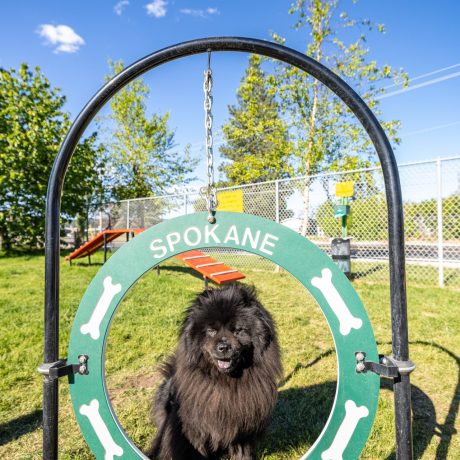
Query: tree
[257, 145]
[422, 222]
[257, 141]
[141, 156]
[327, 135]
[32, 126]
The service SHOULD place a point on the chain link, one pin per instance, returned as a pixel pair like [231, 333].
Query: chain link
[209, 191]
[432, 257]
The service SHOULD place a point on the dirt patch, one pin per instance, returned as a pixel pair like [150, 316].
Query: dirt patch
[118, 386]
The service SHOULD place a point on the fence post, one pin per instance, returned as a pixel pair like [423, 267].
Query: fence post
[439, 219]
[277, 210]
[127, 214]
[277, 201]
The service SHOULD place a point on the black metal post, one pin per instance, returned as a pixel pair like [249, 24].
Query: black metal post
[392, 188]
[105, 247]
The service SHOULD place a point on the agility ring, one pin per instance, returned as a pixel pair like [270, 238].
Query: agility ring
[355, 404]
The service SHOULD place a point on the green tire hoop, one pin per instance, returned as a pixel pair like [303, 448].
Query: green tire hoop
[355, 404]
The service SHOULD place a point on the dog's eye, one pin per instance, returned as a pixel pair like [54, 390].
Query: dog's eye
[211, 332]
[239, 330]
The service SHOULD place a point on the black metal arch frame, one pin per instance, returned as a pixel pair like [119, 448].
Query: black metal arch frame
[382, 145]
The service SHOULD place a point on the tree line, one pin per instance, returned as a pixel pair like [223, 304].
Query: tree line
[284, 123]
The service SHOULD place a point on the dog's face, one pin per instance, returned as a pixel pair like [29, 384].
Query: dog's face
[225, 343]
[227, 329]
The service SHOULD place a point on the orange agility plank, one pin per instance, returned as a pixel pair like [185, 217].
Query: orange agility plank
[97, 242]
[210, 268]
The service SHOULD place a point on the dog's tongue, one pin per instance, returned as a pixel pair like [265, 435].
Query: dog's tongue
[223, 364]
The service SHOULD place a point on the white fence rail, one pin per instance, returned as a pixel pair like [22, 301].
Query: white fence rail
[431, 193]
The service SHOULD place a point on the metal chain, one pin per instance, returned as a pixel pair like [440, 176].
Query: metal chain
[209, 191]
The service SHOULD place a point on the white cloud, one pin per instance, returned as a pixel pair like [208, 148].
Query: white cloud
[120, 6]
[199, 13]
[156, 8]
[64, 37]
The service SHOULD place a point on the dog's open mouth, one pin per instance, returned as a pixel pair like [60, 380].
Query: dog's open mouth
[224, 363]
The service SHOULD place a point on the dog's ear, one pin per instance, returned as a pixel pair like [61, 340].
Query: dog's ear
[188, 344]
[266, 331]
[268, 327]
[248, 293]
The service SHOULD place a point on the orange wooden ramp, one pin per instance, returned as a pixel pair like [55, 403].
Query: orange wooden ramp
[210, 268]
[98, 241]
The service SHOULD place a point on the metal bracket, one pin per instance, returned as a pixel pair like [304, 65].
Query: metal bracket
[61, 368]
[386, 367]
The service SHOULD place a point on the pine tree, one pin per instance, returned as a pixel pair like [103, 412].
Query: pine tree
[257, 145]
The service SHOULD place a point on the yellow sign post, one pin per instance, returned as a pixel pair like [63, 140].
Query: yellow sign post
[230, 200]
[344, 189]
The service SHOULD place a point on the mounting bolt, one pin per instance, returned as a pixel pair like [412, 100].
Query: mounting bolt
[83, 368]
[360, 367]
[360, 356]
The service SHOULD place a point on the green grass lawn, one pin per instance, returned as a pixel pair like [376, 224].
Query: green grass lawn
[145, 329]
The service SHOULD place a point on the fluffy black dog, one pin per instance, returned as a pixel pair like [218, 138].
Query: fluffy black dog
[220, 386]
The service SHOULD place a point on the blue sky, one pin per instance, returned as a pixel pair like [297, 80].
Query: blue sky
[72, 41]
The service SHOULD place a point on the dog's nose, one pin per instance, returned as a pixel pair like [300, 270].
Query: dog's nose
[223, 346]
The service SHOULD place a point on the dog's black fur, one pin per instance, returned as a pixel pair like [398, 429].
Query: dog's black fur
[220, 386]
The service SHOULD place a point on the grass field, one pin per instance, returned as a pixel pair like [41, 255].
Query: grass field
[144, 331]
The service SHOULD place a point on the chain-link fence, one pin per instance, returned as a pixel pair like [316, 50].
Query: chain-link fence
[431, 192]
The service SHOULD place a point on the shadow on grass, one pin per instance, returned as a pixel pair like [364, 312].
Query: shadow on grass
[301, 413]
[80, 263]
[370, 271]
[446, 430]
[20, 426]
[300, 366]
[22, 253]
[425, 425]
[182, 269]
[299, 417]
[451, 278]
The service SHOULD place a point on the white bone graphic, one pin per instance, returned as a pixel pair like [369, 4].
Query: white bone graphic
[111, 448]
[334, 299]
[92, 326]
[353, 414]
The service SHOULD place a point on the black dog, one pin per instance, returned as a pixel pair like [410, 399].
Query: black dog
[220, 386]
